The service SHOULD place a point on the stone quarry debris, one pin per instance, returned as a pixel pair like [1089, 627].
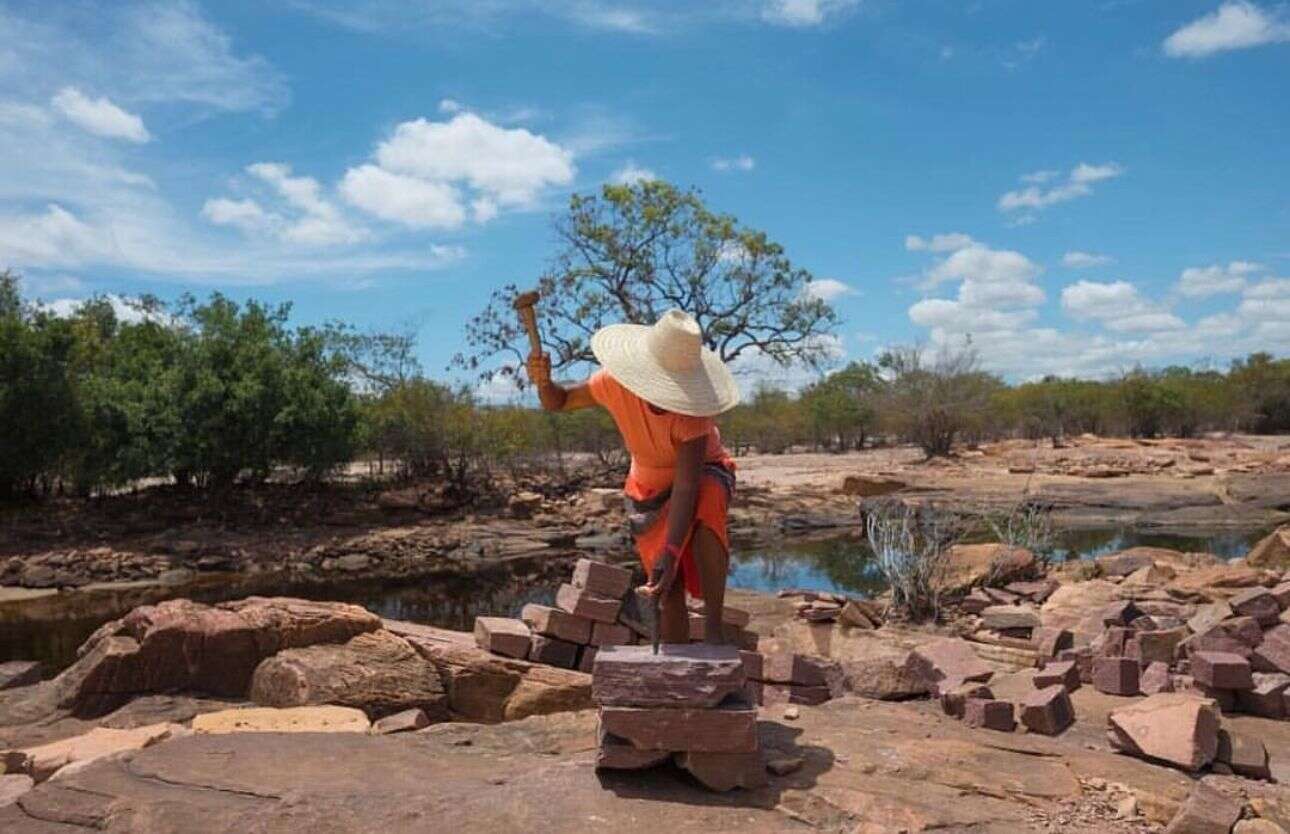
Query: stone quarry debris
[1206, 811]
[1178, 729]
[1156, 679]
[954, 699]
[1009, 617]
[729, 728]
[582, 603]
[947, 658]
[1258, 603]
[401, 722]
[618, 754]
[1273, 551]
[602, 580]
[990, 714]
[1268, 696]
[553, 651]
[1048, 711]
[610, 634]
[42, 762]
[502, 635]
[1062, 673]
[724, 771]
[1116, 675]
[554, 622]
[324, 719]
[1273, 654]
[1221, 670]
[1243, 753]
[696, 675]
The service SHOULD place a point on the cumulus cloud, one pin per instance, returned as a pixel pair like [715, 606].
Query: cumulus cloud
[1237, 24]
[1270, 288]
[631, 173]
[828, 289]
[804, 13]
[743, 162]
[427, 173]
[1204, 281]
[304, 217]
[1085, 260]
[948, 242]
[1038, 195]
[99, 116]
[1118, 306]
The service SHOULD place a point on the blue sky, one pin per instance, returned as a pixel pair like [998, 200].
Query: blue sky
[1078, 186]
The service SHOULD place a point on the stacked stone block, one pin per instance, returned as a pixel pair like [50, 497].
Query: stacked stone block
[777, 675]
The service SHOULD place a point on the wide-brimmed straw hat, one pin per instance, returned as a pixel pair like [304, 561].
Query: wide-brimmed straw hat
[667, 365]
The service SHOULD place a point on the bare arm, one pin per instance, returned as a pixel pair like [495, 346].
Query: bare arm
[556, 397]
[680, 513]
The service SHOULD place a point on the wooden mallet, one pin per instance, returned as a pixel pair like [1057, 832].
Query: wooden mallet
[523, 305]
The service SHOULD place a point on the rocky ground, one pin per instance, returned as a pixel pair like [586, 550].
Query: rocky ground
[194, 718]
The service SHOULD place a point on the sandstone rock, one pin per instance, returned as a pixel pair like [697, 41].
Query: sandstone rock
[953, 700]
[1063, 673]
[974, 564]
[1125, 562]
[1177, 729]
[1281, 593]
[502, 635]
[324, 719]
[779, 665]
[553, 622]
[379, 673]
[1243, 753]
[884, 674]
[15, 673]
[587, 659]
[582, 603]
[180, 645]
[488, 688]
[610, 634]
[1267, 698]
[990, 714]
[857, 616]
[40, 763]
[867, 486]
[13, 786]
[1258, 603]
[1004, 617]
[1150, 576]
[401, 722]
[1120, 613]
[729, 728]
[1206, 811]
[1272, 552]
[1217, 581]
[1116, 675]
[947, 658]
[696, 675]
[1238, 635]
[553, 652]
[600, 579]
[1273, 654]
[1257, 826]
[1036, 591]
[724, 771]
[1048, 711]
[1209, 616]
[1221, 670]
[616, 754]
[1156, 679]
[637, 613]
[1049, 642]
[1160, 646]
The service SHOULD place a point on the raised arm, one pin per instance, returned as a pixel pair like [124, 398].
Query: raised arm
[556, 397]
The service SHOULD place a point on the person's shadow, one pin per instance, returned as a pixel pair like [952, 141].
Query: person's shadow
[668, 783]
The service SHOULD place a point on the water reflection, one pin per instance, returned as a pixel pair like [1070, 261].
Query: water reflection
[845, 565]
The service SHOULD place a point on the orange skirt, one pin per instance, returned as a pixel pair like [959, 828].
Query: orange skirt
[710, 512]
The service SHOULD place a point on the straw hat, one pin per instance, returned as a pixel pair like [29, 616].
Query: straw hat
[667, 365]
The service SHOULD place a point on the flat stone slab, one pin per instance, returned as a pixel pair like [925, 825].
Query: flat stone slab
[1002, 617]
[600, 579]
[1221, 670]
[502, 635]
[695, 675]
[40, 763]
[324, 719]
[947, 658]
[553, 622]
[582, 603]
[1176, 728]
[730, 728]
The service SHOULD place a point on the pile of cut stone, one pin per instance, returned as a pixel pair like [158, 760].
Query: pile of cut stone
[597, 608]
[960, 680]
[828, 607]
[1236, 652]
[686, 704]
[777, 675]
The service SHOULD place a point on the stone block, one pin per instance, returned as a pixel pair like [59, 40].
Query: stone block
[1221, 670]
[857, 615]
[1258, 603]
[554, 622]
[502, 635]
[582, 603]
[725, 771]
[1083, 660]
[610, 634]
[1206, 811]
[1273, 654]
[1157, 646]
[990, 714]
[1113, 641]
[401, 722]
[1244, 754]
[1037, 591]
[1225, 699]
[1048, 711]
[602, 580]
[318, 719]
[947, 658]
[779, 665]
[954, 699]
[1178, 729]
[1003, 617]
[1120, 613]
[1156, 679]
[1116, 675]
[1063, 673]
[43, 761]
[1124, 563]
[553, 652]
[1050, 642]
[1267, 698]
[752, 661]
[1281, 593]
[1209, 616]
[729, 728]
[617, 754]
[587, 659]
[695, 675]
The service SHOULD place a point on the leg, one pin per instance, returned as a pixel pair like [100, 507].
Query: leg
[713, 563]
[674, 619]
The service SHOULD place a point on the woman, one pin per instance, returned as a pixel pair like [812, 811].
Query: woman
[663, 387]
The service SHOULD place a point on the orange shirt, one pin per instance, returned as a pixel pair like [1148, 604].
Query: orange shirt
[652, 439]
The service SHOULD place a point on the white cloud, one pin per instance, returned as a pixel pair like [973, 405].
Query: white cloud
[1039, 177]
[1078, 183]
[99, 116]
[948, 242]
[426, 172]
[804, 13]
[306, 217]
[450, 106]
[1085, 260]
[1118, 306]
[1270, 288]
[743, 162]
[828, 289]
[125, 309]
[979, 262]
[1234, 25]
[1204, 281]
[631, 173]
[246, 215]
